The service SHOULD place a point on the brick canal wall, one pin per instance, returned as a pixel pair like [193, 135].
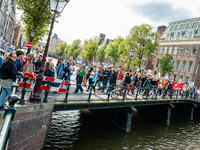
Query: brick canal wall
[30, 126]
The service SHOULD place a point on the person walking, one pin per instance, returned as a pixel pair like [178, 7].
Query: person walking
[8, 74]
[112, 80]
[72, 69]
[120, 77]
[37, 63]
[92, 79]
[106, 76]
[80, 76]
[59, 68]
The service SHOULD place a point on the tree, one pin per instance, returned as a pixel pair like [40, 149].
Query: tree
[101, 54]
[113, 51]
[36, 15]
[61, 48]
[165, 64]
[74, 49]
[90, 48]
[142, 40]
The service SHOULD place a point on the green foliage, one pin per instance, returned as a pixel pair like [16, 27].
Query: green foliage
[165, 64]
[113, 49]
[60, 50]
[142, 40]
[36, 14]
[74, 49]
[101, 54]
[90, 48]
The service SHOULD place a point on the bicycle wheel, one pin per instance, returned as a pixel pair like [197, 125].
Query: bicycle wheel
[114, 93]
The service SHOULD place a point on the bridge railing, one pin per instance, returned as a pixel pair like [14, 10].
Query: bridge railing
[9, 115]
[123, 92]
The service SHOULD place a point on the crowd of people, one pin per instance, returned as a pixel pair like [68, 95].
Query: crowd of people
[16, 62]
[100, 78]
[104, 78]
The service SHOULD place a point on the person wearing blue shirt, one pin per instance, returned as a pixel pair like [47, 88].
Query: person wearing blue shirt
[18, 62]
[192, 91]
[59, 68]
[92, 79]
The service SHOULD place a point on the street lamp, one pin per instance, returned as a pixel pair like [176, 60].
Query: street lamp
[56, 6]
[33, 32]
[131, 53]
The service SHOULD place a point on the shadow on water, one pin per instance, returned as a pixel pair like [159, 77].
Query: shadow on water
[83, 130]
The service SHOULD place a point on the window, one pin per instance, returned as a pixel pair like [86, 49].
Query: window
[175, 50]
[175, 76]
[183, 65]
[178, 35]
[194, 49]
[165, 50]
[172, 28]
[149, 64]
[145, 62]
[180, 51]
[155, 73]
[177, 27]
[197, 69]
[189, 25]
[183, 26]
[187, 50]
[157, 62]
[172, 35]
[187, 80]
[190, 66]
[190, 36]
[195, 24]
[177, 64]
[168, 36]
[172, 62]
[160, 50]
[180, 78]
[184, 34]
[170, 50]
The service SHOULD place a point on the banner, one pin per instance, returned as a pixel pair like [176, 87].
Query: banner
[166, 76]
[79, 60]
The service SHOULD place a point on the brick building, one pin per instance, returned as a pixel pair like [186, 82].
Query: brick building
[181, 39]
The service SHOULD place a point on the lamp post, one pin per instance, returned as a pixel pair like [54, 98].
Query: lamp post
[131, 53]
[56, 6]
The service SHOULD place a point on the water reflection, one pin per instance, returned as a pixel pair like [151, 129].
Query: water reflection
[82, 130]
[63, 131]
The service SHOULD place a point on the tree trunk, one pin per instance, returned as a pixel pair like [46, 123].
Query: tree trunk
[114, 64]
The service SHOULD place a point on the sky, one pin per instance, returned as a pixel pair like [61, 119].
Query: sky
[84, 19]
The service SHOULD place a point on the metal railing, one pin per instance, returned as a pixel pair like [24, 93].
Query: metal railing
[9, 116]
[114, 92]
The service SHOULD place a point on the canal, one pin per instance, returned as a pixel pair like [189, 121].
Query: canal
[83, 130]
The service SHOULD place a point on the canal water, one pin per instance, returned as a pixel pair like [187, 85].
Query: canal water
[83, 130]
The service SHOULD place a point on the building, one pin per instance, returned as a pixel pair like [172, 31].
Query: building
[54, 43]
[182, 40]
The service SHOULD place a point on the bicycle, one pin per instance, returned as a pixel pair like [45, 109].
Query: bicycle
[117, 91]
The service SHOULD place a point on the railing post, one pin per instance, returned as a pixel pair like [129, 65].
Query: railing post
[176, 94]
[170, 94]
[8, 117]
[156, 94]
[124, 94]
[23, 90]
[47, 92]
[147, 94]
[109, 92]
[137, 94]
[91, 87]
[67, 93]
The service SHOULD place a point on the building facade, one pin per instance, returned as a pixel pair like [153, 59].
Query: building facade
[54, 43]
[181, 39]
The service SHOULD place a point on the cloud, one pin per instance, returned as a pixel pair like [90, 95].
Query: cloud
[161, 12]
